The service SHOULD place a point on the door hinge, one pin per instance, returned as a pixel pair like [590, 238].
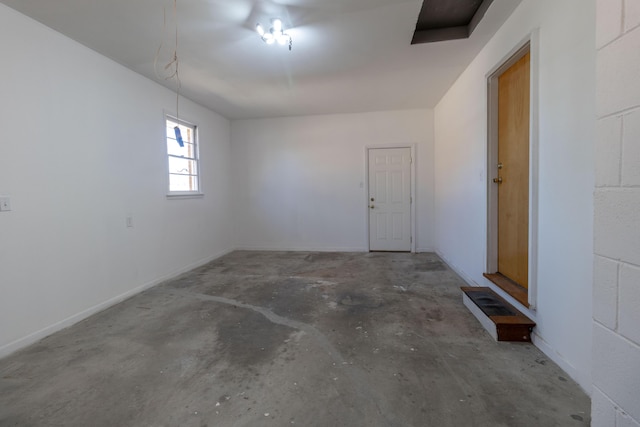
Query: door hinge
[411, 239]
[410, 199]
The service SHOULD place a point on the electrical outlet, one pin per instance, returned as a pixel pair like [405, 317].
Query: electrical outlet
[5, 204]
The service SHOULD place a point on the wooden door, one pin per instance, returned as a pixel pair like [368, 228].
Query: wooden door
[513, 165]
[390, 199]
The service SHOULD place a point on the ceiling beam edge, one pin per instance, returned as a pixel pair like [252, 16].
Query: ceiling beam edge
[479, 15]
[440, 34]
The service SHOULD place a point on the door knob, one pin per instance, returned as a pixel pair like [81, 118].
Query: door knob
[498, 180]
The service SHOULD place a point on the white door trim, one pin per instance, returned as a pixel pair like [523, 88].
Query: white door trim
[412, 147]
[529, 44]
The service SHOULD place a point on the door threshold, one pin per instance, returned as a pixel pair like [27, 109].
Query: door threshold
[509, 286]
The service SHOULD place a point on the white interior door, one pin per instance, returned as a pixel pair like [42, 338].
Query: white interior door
[390, 199]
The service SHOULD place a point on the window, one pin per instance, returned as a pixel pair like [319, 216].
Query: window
[182, 157]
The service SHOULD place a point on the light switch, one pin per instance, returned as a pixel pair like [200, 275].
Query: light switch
[129, 221]
[5, 204]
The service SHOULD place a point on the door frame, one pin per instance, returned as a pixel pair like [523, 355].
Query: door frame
[412, 209]
[529, 44]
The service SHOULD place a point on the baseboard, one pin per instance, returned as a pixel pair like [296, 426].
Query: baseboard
[551, 353]
[423, 250]
[457, 270]
[23, 342]
[315, 249]
[301, 249]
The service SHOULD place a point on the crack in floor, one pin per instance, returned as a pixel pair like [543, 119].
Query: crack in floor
[357, 379]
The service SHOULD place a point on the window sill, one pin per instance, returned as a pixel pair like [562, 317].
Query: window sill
[175, 196]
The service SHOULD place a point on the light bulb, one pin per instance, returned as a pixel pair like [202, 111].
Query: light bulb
[277, 25]
[275, 34]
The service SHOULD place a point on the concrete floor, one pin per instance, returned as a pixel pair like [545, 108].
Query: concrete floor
[290, 338]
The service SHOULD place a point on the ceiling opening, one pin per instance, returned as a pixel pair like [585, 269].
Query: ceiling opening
[441, 20]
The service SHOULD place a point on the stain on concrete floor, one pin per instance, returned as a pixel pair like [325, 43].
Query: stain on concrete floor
[290, 338]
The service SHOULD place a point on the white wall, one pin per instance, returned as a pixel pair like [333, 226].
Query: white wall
[81, 148]
[566, 70]
[299, 182]
[616, 292]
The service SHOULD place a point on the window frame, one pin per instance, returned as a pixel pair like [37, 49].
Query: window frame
[196, 159]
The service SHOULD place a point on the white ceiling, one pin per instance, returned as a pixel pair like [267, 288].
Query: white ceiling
[348, 55]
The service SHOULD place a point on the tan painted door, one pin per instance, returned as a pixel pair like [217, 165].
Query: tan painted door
[390, 199]
[513, 165]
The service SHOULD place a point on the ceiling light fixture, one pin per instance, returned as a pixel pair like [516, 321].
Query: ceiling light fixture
[276, 33]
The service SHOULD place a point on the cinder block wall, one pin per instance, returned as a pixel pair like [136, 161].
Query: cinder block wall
[616, 298]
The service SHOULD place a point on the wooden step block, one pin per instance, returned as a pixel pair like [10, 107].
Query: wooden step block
[497, 316]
